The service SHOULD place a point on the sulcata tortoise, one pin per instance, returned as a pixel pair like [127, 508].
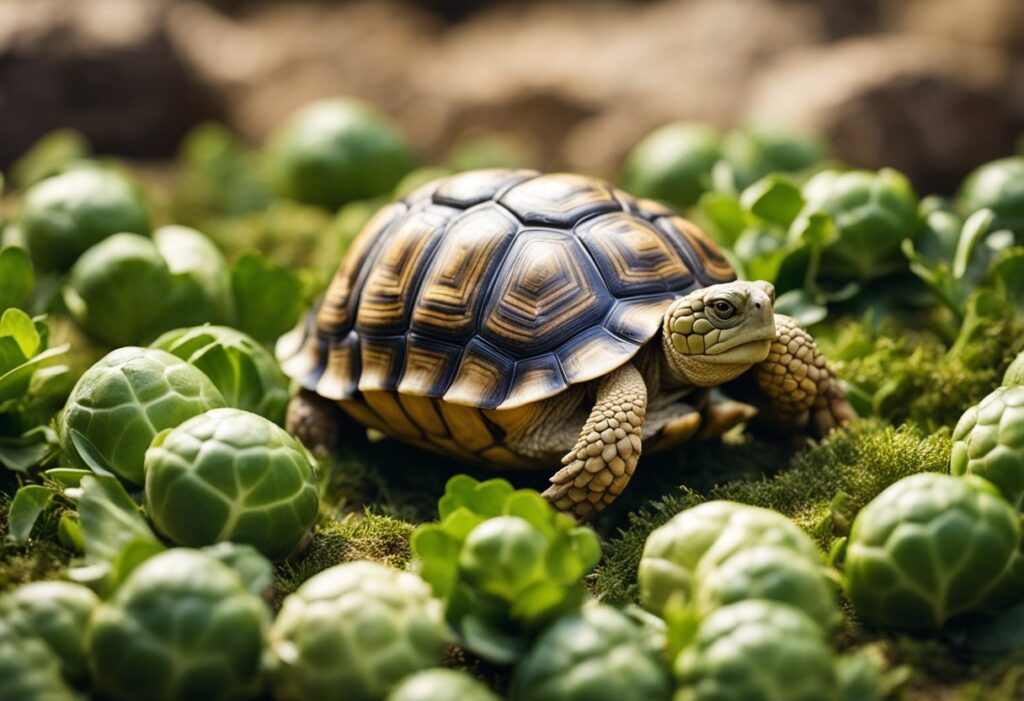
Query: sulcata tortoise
[515, 319]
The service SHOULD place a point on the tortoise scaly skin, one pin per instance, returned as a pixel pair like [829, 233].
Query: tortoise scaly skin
[491, 314]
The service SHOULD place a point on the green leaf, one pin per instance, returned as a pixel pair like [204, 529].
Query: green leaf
[29, 450]
[14, 383]
[438, 555]
[48, 156]
[774, 199]
[69, 533]
[486, 499]
[29, 503]
[1008, 274]
[16, 276]
[66, 477]
[802, 306]
[725, 218]
[90, 455]
[815, 230]
[18, 325]
[133, 554]
[267, 297]
[532, 507]
[110, 519]
[974, 229]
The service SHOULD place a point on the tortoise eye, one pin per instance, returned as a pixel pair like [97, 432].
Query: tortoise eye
[723, 309]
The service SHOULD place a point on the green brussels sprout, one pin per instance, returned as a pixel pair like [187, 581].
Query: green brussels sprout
[118, 290]
[181, 626]
[29, 670]
[200, 284]
[757, 650]
[716, 529]
[872, 213]
[988, 441]
[928, 548]
[441, 685]
[493, 150]
[504, 556]
[770, 573]
[998, 186]
[592, 655]
[336, 151]
[673, 163]
[353, 632]
[58, 614]
[1014, 376]
[756, 152]
[229, 475]
[66, 214]
[121, 403]
[245, 372]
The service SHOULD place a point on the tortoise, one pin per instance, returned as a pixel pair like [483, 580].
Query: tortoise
[514, 319]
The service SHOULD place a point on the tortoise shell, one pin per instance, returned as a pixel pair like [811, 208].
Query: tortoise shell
[497, 288]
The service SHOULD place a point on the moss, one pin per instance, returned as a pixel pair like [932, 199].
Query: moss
[903, 375]
[42, 558]
[365, 536]
[822, 490]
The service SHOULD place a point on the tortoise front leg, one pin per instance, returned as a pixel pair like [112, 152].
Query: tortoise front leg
[605, 455]
[804, 393]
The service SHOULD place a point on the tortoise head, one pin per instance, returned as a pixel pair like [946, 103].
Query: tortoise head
[715, 334]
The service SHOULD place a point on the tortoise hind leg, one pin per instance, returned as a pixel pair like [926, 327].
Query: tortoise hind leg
[804, 393]
[599, 466]
[315, 421]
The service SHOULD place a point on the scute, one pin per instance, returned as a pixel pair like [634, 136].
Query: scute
[498, 288]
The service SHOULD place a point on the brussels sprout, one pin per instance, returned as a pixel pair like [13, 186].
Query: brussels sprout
[244, 371]
[493, 150]
[181, 626]
[57, 613]
[121, 403]
[118, 290]
[229, 475]
[754, 153]
[336, 151]
[441, 685]
[872, 213]
[928, 548]
[29, 671]
[998, 186]
[201, 286]
[592, 655]
[673, 163]
[770, 573]
[1014, 376]
[717, 529]
[757, 650]
[989, 443]
[504, 556]
[64, 215]
[352, 632]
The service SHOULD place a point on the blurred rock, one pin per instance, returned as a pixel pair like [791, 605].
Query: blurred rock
[104, 67]
[931, 108]
[994, 23]
[582, 81]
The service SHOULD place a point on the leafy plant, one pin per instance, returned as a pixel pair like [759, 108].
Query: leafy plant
[268, 298]
[505, 562]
